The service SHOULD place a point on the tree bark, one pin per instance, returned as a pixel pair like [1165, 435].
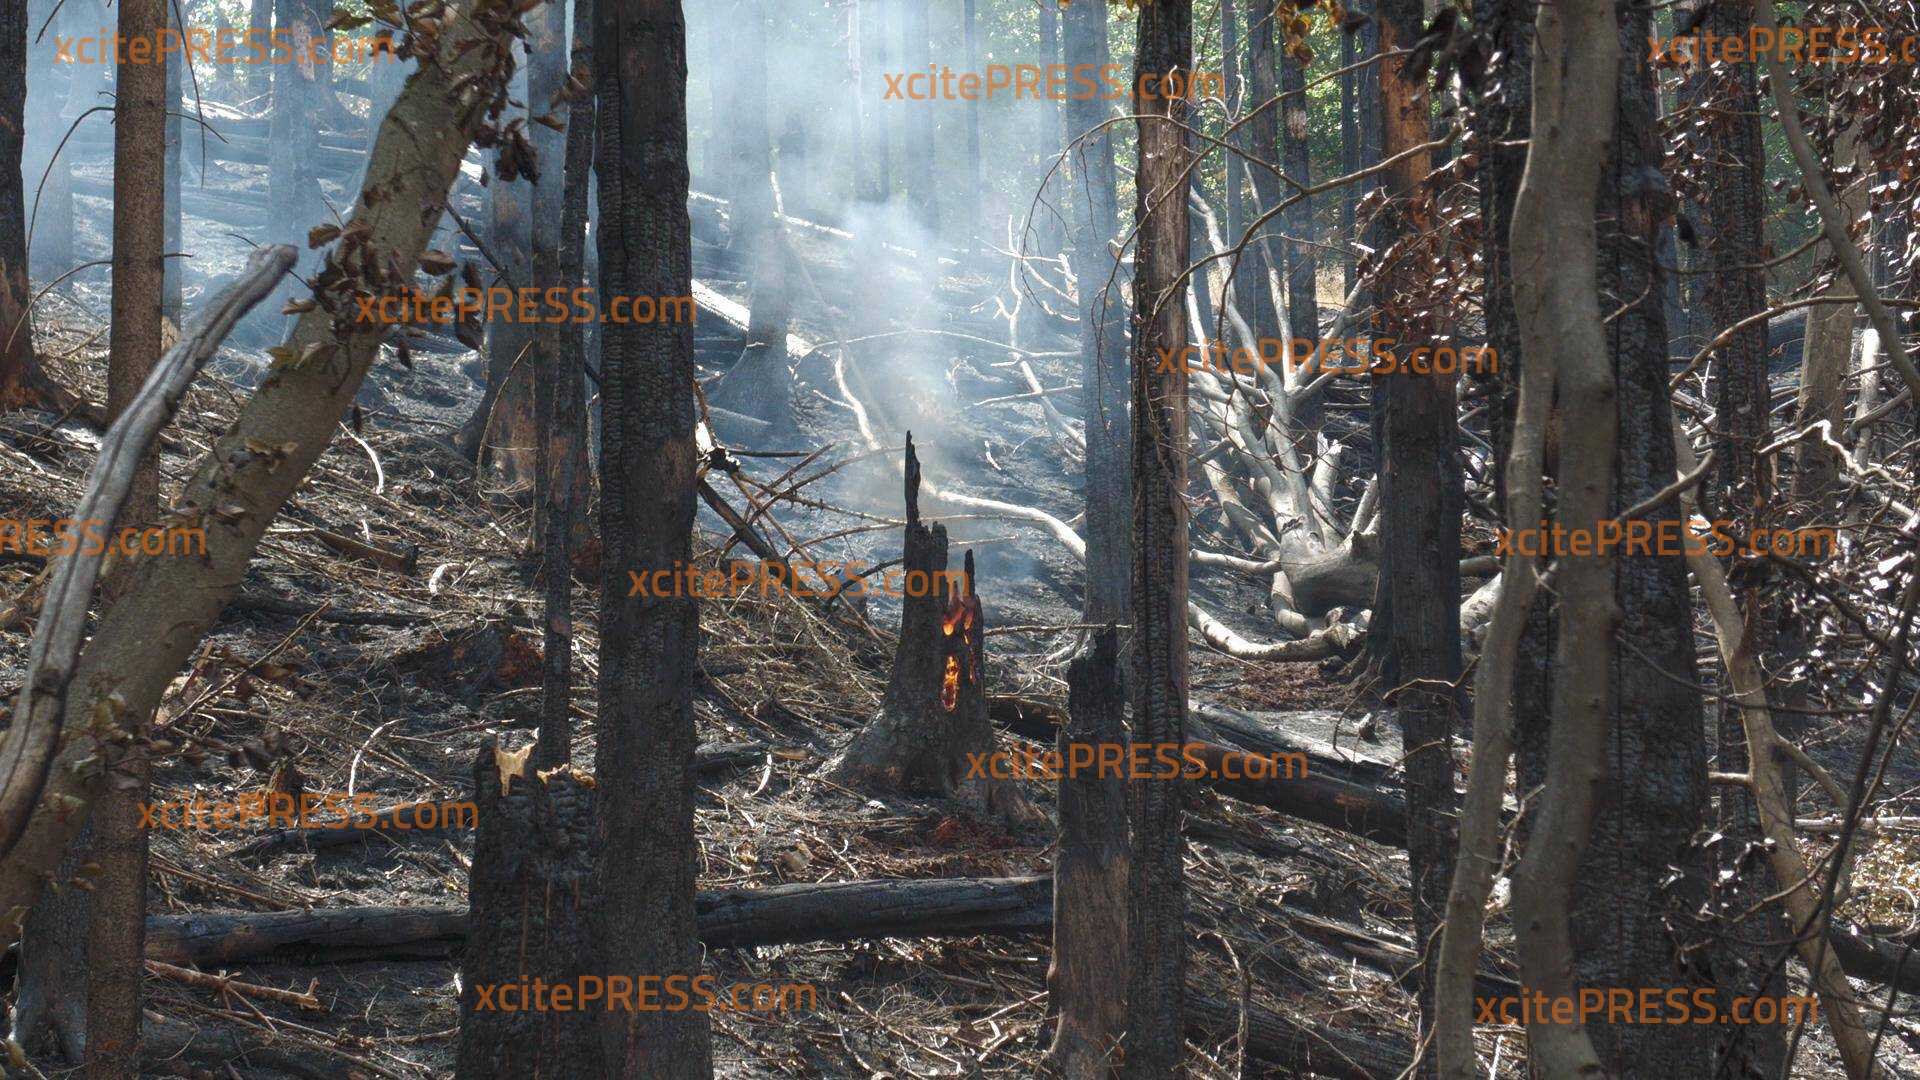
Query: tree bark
[645, 875]
[1156, 917]
[1828, 356]
[1090, 867]
[1420, 499]
[501, 436]
[1737, 289]
[529, 904]
[1107, 485]
[917, 161]
[559, 434]
[117, 904]
[22, 381]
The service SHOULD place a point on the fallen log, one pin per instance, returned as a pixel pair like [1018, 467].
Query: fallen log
[734, 918]
[1354, 796]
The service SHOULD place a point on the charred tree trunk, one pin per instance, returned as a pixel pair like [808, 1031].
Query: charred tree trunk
[170, 268]
[1303, 308]
[1360, 147]
[1628, 922]
[1258, 267]
[559, 437]
[1736, 250]
[1156, 917]
[529, 904]
[1420, 504]
[22, 382]
[644, 877]
[501, 434]
[1094, 204]
[760, 383]
[1090, 867]
[934, 714]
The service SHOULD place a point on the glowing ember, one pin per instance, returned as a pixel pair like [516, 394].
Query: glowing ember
[950, 684]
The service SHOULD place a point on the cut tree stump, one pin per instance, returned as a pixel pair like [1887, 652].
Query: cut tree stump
[528, 893]
[935, 711]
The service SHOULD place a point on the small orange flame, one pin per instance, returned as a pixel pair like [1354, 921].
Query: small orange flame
[950, 685]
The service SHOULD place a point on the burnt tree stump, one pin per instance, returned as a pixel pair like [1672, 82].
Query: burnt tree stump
[527, 919]
[935, 711]
[1090, 863]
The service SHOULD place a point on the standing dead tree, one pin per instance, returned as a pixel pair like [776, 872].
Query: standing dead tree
[1156, 893]
[46, 784]
[647, 854]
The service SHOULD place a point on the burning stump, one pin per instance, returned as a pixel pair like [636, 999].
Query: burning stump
[526, 920]
[933, 725]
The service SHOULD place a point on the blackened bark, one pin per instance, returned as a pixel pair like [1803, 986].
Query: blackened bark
[644, 879]
[1156, 917]
[1420, 504]
[1090, 867]
[170, 269]
[529, 906]
[21, 380]
[1736, 246]
[1094, 204]
[1655, 793]
[556, 446]
[1363, 103]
